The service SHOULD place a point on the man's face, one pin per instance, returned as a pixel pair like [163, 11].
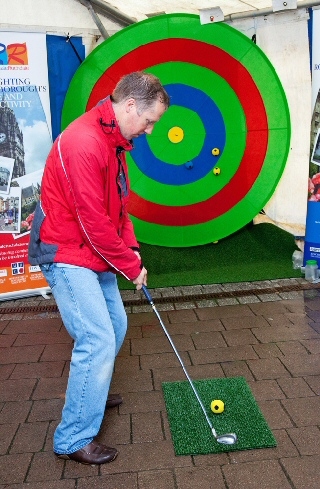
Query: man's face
[133, 124]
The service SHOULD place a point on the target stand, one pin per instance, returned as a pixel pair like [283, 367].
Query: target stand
[215, 157]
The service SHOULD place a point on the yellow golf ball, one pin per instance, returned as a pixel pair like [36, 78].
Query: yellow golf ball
[216, 171]
[217, 406]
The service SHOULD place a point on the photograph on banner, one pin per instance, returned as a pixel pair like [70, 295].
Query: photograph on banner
[6, 169]
[10, 206]
[315, 157]
[30, 194]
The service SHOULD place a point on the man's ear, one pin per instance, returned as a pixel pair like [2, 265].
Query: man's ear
[130, 104]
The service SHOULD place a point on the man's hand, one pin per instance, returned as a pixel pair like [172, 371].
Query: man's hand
[141, 279]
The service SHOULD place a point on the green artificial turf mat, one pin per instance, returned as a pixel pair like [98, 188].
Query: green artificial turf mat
[259, 252]
[190, 431]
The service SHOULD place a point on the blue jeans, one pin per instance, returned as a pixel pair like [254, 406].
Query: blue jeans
[93, 314]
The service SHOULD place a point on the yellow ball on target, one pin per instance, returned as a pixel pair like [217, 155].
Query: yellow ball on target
[216, 171]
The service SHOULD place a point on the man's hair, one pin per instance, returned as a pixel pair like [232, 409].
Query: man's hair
[145, 88]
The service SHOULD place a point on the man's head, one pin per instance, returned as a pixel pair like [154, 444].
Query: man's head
[139, 100]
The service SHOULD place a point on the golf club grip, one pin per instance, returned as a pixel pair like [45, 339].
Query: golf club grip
[147, 294]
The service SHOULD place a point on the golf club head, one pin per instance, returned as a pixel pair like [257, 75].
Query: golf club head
[227, 439]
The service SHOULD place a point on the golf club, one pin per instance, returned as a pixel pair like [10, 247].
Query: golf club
[227, 438]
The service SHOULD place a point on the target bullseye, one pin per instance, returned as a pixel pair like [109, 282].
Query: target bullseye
[228, 117]
[175, 135]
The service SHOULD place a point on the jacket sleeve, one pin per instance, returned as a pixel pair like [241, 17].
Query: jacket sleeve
[83, 165]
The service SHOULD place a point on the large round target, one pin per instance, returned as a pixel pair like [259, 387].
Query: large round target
[215, 157]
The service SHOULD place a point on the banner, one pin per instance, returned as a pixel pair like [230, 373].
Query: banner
[25, 141]
[312, 238]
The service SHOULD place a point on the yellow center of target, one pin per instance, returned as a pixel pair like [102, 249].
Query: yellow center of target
[176, 134]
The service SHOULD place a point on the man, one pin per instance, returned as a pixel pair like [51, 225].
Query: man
[82, 237]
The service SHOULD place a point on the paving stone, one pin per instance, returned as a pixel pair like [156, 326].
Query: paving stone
[80, 472]
[50, 388]
[285, 448]
[21, 354]
[3, 324]
[29, 437]
[276, 417]
[160, 479]
[37, 370]
[6, 370]
[127, 364]
[16, 390]
[275, 334]
[115, 429]
[300, 365]
[53, 353]
[140, 319]
[220, 312]
[212, 339]
[146, 456]
[34, 326]
[267, 368]
[140, 402]
[46, 410]
[196, 372]
[7, 432]
[15, 412]
[314, 382]
[205, 326]
[182, 316]
[7, 340]
[216, 355]
[237, 369]
[313, 346]
[161, 344]
[59, 484]
[162, 360]
[278, 320]
[246, 322]
[45, 466]
[267, 390]
[13, 468]
[210, 459]
[264, 474]
[267, 350]
[117, 481]
[303, 413]
[292, 347]
[199, 478]
[137, 381]
[239, 337]
[295, 387]
[304, 471]
[147, 427]
[55, 337]
[183, 305]
[269, 308]
[306, 439]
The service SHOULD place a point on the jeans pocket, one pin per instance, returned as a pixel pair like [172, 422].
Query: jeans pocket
[48, 271]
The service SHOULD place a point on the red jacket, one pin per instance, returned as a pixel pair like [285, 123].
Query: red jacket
[82, 217]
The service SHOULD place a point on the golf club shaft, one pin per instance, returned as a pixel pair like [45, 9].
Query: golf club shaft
[150, 300]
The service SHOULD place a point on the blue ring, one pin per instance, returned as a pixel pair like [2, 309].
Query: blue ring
[196, 100]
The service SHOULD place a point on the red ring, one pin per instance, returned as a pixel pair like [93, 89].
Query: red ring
[231, 70]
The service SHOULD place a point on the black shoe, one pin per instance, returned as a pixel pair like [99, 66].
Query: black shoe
[113, 400]
[92, 454]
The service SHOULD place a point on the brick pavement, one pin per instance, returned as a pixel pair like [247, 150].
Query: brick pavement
[272, 341]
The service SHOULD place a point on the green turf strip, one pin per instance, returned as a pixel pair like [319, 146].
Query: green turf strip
[260, 252]
[191, 434]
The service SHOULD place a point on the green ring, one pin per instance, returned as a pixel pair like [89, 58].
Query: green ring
[220, 91]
